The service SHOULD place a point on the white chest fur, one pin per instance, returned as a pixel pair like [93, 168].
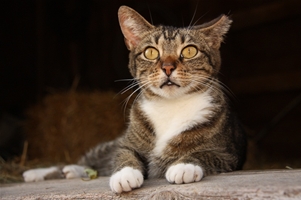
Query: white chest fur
[171, 117]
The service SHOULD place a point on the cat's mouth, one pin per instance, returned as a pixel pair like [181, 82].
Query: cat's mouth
[169, 83]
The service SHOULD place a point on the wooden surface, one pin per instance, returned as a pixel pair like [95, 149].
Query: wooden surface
[282, 184]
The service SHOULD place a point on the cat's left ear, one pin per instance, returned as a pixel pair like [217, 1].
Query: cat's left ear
[215, 30]
[133, 26]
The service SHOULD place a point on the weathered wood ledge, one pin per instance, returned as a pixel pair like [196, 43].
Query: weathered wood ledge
[274, 184]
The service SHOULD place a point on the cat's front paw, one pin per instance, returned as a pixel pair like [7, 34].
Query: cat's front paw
[74, 171]
[184, 173]
[126, 179]
[40, 174]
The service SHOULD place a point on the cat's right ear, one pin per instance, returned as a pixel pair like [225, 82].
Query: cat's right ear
[215, 30]
[133, 26]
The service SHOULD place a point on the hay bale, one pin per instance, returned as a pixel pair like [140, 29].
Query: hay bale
[65, 125]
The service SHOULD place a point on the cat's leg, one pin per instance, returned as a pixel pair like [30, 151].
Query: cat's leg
[194, 167]
[126, 179]
[41, 174]
[128, 173]
[123, 165]
[184, 173]
[74, 171]
[68, 172]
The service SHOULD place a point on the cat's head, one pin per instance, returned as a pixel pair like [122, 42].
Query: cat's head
[170, 62]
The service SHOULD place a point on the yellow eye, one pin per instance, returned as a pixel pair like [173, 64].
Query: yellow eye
[189, 52]
[151, 53]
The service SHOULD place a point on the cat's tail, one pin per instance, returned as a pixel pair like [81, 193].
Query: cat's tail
[100, 158]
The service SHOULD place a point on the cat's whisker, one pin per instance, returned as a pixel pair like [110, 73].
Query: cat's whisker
[126, 101]
[194, 13]
[197, 87]
[131, 86]
[130, 81]
[215, 88]
[199, 82]
[208, 85]
[224, 88]
[126, 79]
[150, 14]
[141, 88]
[193, 24]
[137, 97]
[199, 18]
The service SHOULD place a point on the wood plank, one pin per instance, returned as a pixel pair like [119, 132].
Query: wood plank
[277, 184]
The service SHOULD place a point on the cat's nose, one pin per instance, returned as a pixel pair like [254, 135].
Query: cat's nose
[168, 69]
[168, 66]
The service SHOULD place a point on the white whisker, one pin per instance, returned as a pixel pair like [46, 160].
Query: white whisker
[214, 84]
[126, 101]
[204, 81]
[194, 13]
[224, 88]
[131, 86]
[126, 79]
[199, 19]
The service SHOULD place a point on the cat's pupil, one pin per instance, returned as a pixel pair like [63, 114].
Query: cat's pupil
[151, 53]
[189, 52]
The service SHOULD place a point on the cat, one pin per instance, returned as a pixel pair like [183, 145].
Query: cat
[180, 126]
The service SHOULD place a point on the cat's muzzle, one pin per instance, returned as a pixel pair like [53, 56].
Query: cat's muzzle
[168, 82]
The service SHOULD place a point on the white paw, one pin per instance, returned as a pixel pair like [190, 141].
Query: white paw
[125, 180]
[74, 171]
[39, 174]
[184, 173]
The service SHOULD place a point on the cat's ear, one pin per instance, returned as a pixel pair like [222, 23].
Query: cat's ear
[215, 30]
[133, 26]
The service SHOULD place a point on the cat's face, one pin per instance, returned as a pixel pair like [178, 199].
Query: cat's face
[170, 62]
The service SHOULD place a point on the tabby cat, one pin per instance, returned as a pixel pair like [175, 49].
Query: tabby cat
[180, 126]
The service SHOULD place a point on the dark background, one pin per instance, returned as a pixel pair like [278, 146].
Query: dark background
[49, 45]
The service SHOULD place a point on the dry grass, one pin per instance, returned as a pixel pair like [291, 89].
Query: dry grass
[64, 126]
[10, 172]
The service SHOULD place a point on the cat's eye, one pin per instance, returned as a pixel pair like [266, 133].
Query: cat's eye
[189, 52]
[151, 53]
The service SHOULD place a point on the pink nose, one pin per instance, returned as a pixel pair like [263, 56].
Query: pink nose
[168, 65]
[168, 69]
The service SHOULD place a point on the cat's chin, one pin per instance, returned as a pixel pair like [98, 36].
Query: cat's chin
[169, 91]
[169, 84]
